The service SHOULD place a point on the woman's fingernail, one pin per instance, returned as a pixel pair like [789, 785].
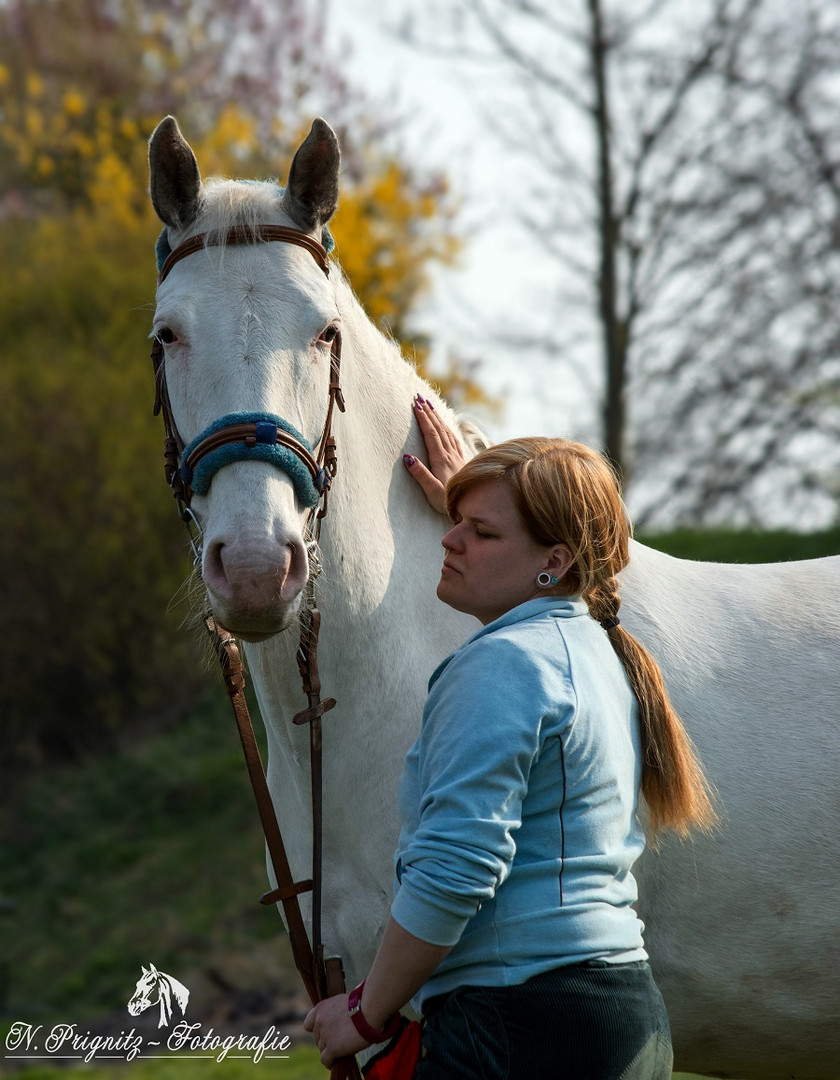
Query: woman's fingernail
[408, 460]
[431, 406]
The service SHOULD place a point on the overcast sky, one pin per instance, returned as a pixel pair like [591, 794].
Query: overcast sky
[502, 279]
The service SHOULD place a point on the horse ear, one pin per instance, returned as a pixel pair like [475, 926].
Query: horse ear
[312, 191]
[175, 181]
[144, 970]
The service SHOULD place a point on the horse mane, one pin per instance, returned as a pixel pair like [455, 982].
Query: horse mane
[245, 204]
[179, 991]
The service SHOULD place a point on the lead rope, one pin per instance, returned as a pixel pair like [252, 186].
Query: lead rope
[322, 977]
[307, 660]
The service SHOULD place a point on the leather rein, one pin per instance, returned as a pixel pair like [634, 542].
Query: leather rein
[242, 437]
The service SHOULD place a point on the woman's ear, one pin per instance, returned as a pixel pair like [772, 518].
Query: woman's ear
[560, 560]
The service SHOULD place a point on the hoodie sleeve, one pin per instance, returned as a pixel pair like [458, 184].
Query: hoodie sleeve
[482, 730]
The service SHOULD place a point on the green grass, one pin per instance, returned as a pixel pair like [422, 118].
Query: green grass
[153, 855]
[745, 545]
[302, 1064]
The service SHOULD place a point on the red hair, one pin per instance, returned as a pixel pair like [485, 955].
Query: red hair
[567, 493]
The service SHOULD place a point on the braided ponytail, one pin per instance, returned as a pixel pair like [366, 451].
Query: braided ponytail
[568, 493]
[673, 783]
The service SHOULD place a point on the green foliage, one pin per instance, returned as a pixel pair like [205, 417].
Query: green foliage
[153, 853]
[92, 548]
[745, 545]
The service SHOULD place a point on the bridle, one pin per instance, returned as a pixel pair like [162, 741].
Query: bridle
[312, 468]
[190, 467]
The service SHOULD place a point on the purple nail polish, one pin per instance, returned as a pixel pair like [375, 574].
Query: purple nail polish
[431, 406]
[408, 460]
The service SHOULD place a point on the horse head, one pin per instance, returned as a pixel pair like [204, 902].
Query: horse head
[248, 333]
[141, 998]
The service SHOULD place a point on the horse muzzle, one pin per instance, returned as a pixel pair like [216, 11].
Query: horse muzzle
[255, 588]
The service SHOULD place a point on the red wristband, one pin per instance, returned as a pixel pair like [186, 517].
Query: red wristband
[354, 1007]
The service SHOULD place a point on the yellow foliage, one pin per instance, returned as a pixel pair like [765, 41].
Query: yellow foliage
[230, 144]
[34, 123]
[45, 166]
[113, 192]
[65, 152]
[129, 130]
[389, 232]
[34, 85]
[73, 103]
[386, 236]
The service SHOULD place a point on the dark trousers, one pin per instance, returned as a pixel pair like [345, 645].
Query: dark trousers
[593, 1021]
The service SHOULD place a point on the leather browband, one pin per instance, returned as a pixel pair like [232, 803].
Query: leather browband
[241, 235]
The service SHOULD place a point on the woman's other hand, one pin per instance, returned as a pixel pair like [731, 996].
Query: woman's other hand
[444, 451]
[334, 1031]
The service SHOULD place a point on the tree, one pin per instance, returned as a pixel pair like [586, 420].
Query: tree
[685, 162]
[94, 548]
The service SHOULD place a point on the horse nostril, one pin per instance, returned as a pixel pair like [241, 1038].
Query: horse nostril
[213, 570]
[297, 569]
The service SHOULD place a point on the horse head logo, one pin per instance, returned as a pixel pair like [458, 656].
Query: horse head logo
[168, 989]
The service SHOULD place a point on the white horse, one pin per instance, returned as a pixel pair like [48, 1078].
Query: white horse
[168, 990]
[742, 927]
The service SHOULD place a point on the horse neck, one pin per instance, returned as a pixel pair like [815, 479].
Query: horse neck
[381, 555]
[375, 509]
[380, 540]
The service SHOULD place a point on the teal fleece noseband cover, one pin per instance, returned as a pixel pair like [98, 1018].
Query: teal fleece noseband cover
[264, 448]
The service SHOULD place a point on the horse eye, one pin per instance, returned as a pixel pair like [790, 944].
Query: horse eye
[329, 335]
[165, 336]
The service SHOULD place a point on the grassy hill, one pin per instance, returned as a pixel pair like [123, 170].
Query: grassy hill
[150, 855]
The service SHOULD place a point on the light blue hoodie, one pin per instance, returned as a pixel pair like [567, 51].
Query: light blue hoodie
[519, 802]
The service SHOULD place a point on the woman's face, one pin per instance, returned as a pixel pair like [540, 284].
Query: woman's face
[491, 562]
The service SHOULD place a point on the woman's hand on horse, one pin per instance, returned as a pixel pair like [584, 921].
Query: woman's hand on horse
[330, 1023]
[444, 451]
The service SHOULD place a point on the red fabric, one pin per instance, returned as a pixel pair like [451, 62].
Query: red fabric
[398, 1059]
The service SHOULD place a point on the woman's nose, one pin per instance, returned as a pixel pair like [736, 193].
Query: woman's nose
[450, 540]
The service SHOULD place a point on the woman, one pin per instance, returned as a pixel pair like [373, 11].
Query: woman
[513, 927]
